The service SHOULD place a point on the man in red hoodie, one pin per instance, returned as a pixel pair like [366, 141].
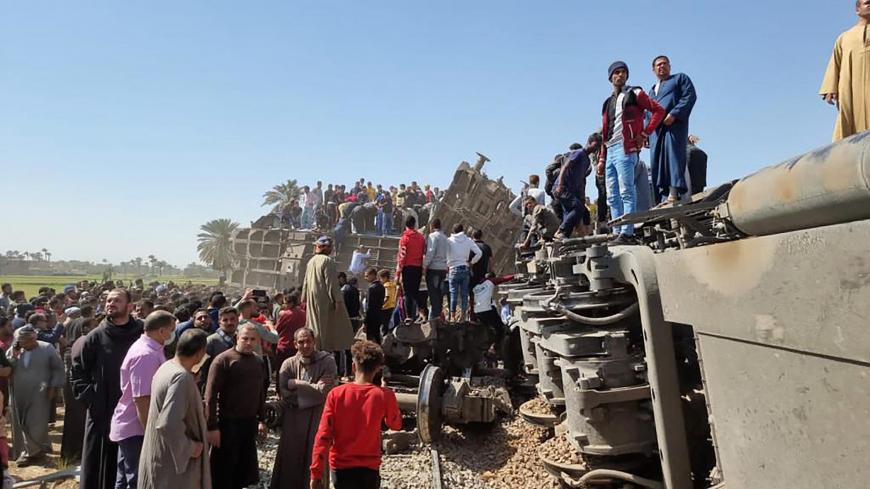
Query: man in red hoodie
[624, 136]
[412, 247]
[350, 427]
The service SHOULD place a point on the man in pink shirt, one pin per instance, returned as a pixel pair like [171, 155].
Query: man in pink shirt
[137, 370]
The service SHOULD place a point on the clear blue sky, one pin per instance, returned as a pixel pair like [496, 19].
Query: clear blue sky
[126, 125]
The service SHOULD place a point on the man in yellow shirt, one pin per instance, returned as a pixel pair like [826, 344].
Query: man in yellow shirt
[400, 199]
[390, 299]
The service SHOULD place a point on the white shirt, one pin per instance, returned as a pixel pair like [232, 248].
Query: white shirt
[313, 199]
[483, 296]
[505, 314]
[517, 205]
[459, 247]
[616, 136]
[358, 262]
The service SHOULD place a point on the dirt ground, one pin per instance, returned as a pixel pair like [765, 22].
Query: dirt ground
[53, 461]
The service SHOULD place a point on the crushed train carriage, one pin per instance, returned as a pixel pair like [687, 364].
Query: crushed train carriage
[273, 257]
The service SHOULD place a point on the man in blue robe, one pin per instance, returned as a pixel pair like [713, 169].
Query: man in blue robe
[668, 143]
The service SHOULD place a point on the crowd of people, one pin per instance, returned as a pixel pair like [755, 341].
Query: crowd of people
[658, 119]
[364, 208]
[165, 385]
[631, 120]
[136, 363]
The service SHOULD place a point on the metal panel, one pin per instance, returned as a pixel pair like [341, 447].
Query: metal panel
[636, 265]
[782, 327]
[806, 290]
[786, 420]
[481, 203]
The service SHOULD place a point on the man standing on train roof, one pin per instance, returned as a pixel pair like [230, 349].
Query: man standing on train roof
[847, 82]
[624, 136]
[676, 94]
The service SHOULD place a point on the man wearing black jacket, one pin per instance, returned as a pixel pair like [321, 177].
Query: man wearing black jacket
[350, 292]
[95, 379]
[374, 306]
[697, 165]
[552, 173]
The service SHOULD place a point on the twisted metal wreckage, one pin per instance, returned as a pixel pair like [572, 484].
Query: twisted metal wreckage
[727, 348]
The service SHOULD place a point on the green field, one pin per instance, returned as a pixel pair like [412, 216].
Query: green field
[30, 284]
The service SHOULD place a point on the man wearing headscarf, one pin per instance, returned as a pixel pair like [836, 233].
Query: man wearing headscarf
[37, 373]
[326, 313]
[74, 410]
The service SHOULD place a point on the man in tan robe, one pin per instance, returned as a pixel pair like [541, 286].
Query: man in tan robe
[174, 452]
[847, 80]
[325, 311]
[303, 381]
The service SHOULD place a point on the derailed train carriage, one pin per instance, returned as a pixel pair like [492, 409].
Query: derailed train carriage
[729, 349]
[273, 257]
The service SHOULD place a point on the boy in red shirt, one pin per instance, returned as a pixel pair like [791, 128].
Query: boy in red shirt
[350, 427]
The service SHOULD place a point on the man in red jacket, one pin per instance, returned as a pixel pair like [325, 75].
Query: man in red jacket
[624, 136]
[350, 427]
[412, 247]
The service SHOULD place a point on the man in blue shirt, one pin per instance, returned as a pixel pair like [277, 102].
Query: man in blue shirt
[570, 186]
[676, 94]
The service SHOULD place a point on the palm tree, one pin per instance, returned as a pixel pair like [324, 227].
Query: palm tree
[281, 195]
[46, 254]
[138, 262]
[152, 260]
[36, 255]
[215, 245]
[161, 265]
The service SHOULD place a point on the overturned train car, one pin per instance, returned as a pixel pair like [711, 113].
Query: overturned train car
[730, 349]
[272, 256]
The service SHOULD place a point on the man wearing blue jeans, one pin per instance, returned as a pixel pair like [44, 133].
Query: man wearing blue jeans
[435, 268]
[459, 248]
[570, 186]
[624, 136]
[308, 208]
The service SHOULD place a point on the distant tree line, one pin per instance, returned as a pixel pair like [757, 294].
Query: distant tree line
[39, 263]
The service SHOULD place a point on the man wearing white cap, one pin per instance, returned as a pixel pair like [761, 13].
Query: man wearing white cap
[326, 313]
[37, 373]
